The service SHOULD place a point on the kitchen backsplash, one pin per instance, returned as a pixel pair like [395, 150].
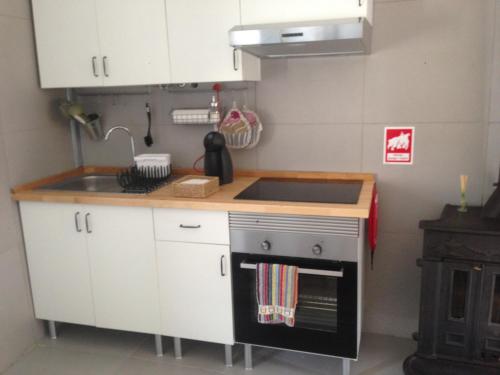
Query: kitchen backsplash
[329, 114]
[184, 142]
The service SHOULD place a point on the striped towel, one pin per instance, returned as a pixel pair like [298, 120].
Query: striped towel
[277, 293]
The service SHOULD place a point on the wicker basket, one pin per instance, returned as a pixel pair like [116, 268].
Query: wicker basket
[198, 188]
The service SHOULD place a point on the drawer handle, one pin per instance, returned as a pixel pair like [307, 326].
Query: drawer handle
[189, 226]
[105, 66]
[235, 64]
[222, 264]
[77, 222]
[87, 223]
[94, 66]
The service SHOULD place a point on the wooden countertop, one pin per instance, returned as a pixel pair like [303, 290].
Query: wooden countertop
[223, 200]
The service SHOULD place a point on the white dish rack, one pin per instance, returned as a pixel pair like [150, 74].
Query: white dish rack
[195, 116]
[154, 162]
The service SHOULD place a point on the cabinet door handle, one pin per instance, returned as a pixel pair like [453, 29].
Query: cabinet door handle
[105, 66]
[94, 66]
[222, 266]
[87, 223]
[189, 226]
[77, 222]
[235, 62]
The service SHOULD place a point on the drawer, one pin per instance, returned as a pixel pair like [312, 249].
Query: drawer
[191, 226]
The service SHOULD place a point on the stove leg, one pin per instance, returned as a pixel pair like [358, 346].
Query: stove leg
[159, 345]
[248, 357]
[52, 329]
[177, 348]
[346, 366]
[229, 355]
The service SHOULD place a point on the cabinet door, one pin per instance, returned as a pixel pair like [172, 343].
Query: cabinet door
[276, 11]
[123, 268]
[457, 310]
[133, 40]
[199, 42]
[488, 345]
[195, 291]
[58, 262]
[67, 43]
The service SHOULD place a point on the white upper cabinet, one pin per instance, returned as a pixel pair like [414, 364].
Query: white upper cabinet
[199, 42]
[67, 43]
[133, 42]
[90, 43]
[277, 11]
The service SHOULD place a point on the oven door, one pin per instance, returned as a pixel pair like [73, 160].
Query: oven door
[326, 314]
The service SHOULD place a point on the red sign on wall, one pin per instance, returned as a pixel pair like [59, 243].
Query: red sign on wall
[398, 145]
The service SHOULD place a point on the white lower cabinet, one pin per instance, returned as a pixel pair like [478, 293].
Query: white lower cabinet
[56, 250]
[195, 291]
[100, 266]
[93, 265]
[123, 268]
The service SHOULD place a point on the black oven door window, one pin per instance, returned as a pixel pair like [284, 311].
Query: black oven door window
[317, 303]
[326, 314]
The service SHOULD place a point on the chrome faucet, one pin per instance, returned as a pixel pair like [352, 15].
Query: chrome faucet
[126, 130]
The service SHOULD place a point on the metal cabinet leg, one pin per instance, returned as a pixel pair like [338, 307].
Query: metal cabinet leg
[52, 329]
[248, 357]
[159, 345]
[346, 366]
[177, 348]
[229, 355]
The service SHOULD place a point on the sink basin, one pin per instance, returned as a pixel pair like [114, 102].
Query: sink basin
[88, 183]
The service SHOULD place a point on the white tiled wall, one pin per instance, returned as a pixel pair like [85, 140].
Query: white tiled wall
[493, 137]
[428, 69]
[32, 144]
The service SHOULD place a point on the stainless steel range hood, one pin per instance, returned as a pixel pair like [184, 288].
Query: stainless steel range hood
[315, 38]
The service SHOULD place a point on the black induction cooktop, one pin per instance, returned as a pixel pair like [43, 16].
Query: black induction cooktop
[310, 191]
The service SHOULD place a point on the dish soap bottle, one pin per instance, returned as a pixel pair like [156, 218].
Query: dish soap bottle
[214, 114]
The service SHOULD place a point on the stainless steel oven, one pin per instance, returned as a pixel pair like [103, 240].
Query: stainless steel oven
[328, 252]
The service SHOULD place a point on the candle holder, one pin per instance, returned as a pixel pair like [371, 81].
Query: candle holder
[463, 188]
[463, 203]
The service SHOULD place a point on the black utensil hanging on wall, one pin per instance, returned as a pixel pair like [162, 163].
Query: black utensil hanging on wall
[148, 139]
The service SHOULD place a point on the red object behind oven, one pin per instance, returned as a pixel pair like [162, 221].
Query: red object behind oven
[373, 224]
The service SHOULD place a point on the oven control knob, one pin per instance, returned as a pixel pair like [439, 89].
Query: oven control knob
[317, 249]
[266, 245]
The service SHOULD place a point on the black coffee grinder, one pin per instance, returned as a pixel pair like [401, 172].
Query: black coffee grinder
[217, 158]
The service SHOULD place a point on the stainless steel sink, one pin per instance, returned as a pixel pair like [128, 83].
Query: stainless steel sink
[88, 183]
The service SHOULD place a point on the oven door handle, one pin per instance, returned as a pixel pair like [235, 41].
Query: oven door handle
[302, 271]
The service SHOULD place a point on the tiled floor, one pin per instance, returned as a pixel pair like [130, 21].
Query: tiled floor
[89, 351]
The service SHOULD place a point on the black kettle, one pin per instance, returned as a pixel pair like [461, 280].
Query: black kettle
[217, 158]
